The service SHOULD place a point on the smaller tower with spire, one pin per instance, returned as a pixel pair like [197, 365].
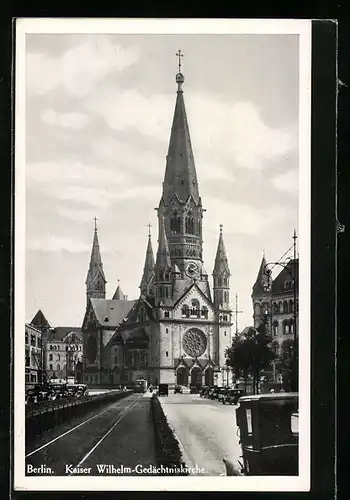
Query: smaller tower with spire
[148, 268]
[261, 293]
[221, 276]
[162, 268]
[95, 279]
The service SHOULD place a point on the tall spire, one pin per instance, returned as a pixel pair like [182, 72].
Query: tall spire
[221, 262]
[180, 174]
[262, 279]
[149, 265]
[163, 255]
[95, 280]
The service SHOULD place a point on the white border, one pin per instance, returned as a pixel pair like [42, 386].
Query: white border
[162, 26]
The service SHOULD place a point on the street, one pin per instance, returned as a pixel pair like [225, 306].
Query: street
[119, 435]
[206, 430]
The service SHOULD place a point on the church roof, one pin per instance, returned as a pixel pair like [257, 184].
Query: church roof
[149, 265]
[39, 321]
[221, 262]
[95, 259]
[163, 253]
[118, 294]
[180, 173]
[110, 313]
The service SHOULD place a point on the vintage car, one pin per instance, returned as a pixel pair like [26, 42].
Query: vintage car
[232, 396]
[203, 390]
[222, 392]
[194, 389]
[178, 389]
[214, 393]
[163, 390]
[268, 433]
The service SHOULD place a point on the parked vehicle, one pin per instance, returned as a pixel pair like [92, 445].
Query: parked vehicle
[141, 385]
[194, 389]
[222, 393]
[232, 396]
[211, 392]
[269, 434]
[163, 390]
[203, 390]
[178, 389]
[215, 392]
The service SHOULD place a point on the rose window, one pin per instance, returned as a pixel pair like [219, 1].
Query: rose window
[194, 342]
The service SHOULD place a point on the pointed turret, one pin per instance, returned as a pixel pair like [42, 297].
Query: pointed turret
[221, 262]
[180, 174]
[95, 280]
[261, 284]
[118, 294]
[40, 322]
[221, 275]
[163, 255]
[148, 268]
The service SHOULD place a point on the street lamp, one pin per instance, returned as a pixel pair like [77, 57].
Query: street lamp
[294, 275]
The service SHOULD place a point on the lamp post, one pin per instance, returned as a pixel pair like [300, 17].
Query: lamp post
[293, 273]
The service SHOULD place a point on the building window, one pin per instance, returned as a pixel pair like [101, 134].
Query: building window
[166, 353]
[166, 314]
[195, 311]
[225, 332]
[275, 328]
[205, 312]
[224, 318]
[27, 359]
[50, 347]
[285, 307]
[33, 377]
[285, 327]
[185, 311]
[39, 342]
[115, 360]
[26, 337]
[50, 367]
[166, 330]
[50, 357]
[274, 347]
[290, 306]
[58, 367]
[58, 357]
[32, 339]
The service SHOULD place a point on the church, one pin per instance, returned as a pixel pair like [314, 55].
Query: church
[178, 329]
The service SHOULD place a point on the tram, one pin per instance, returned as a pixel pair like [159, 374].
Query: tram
[141, 385]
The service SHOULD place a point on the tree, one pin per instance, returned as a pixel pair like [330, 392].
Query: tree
[249, 354]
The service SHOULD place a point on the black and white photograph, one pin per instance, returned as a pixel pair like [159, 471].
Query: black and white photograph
[162, 255]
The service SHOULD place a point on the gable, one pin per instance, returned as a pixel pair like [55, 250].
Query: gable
[194, 300]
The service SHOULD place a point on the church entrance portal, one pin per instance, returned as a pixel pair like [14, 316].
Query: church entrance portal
[209, 376]
[196, 376]
[182, 376]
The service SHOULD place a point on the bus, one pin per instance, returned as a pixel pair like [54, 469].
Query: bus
[141, 385]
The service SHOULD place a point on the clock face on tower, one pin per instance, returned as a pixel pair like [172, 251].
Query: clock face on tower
[191, 269]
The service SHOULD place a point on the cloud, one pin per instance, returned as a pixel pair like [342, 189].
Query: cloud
[75, 121]
[235, 131]
[53, 243]
[287, 181]
[80, 68]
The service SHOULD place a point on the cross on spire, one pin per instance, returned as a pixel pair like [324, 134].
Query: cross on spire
[179, 55]
[149, 225]
[95, 219]
[221, 226]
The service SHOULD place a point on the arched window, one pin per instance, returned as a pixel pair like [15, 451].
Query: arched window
[189, 223]
[291, 325]
[275, 328]
[290, 306]
[204, 312]
[58, 357]
[285, 327]
[50, 367]
[285, 306]
[280, 307]
[58, 367]
[50, 357]
[115, 359]
[166, 353]
[175, 223]
[275, 308]
[195, 311]
[185, 311]
[50, 347]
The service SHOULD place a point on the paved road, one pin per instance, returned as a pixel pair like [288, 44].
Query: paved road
[205, 429]
[121, 434]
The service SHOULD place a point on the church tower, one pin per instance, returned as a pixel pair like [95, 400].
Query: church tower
[148, 269]
[261, 294]
[95, 279]
[162, 269]
[221, 287]
[180, 204]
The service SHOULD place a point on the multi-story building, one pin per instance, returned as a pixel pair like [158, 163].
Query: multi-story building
[62, 352]
[33, 355]
[177, 330]
[275, 300]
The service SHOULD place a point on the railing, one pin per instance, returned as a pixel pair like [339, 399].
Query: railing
[46, 415]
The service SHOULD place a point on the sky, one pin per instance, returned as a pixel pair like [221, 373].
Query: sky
[99, 110]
